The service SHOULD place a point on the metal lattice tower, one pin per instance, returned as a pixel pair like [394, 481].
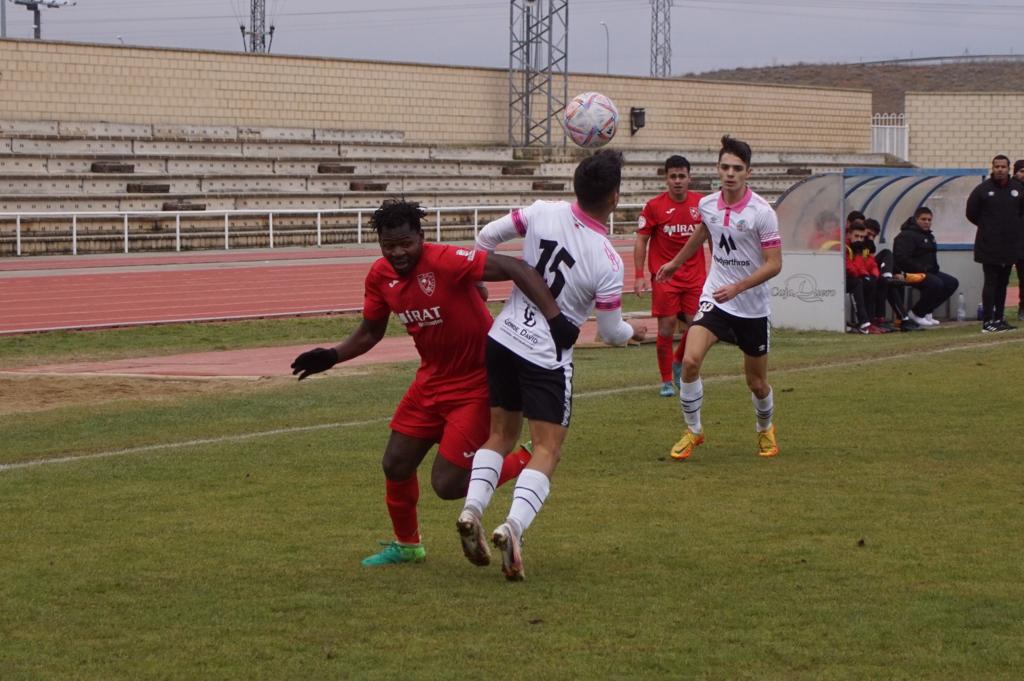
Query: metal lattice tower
[661, 38]
[538, 86]
[255, 39]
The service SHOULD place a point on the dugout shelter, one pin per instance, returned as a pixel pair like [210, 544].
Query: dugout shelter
[809, 293]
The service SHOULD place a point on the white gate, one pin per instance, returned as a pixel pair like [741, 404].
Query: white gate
[890, 134]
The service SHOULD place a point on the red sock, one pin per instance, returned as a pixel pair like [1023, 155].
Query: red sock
[513, 465]
[678, 356]
[402, 497]
[664, 347]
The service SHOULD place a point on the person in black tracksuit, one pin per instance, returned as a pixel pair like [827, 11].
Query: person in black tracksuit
[996, 207]
[914, 252]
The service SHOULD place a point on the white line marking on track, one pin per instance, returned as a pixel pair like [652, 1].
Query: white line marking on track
[592, 393]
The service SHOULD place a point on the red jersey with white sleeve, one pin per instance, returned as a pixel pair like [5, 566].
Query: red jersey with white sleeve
[439, 304]
[571, 251]
[670, 224]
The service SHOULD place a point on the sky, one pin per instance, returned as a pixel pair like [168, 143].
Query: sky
[706, 34]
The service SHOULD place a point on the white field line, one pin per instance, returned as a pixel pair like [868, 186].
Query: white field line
[592, 393]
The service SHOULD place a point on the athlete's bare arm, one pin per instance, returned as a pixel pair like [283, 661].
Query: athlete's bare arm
[639, 258]
[367, 334]
[771, 266]
[685, 253]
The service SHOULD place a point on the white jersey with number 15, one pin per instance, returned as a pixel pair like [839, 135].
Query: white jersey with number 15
[582, 269]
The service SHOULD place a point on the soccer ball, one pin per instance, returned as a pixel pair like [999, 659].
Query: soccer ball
[591, 120]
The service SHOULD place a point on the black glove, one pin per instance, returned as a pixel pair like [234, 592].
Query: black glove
[314, 361]
[563, 331]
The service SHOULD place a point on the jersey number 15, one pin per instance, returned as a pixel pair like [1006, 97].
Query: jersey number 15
[551, 257]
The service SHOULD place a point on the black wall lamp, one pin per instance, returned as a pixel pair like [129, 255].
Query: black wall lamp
[637, 119]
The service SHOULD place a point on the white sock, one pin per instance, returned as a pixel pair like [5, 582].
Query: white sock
[483, 480]
[691, 397]
[532, 488]
[764, 409]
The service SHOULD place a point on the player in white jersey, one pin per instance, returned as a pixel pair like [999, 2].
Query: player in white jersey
[527, 374]
[734, 305]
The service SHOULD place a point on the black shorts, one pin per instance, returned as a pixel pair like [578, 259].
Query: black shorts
[518, 385]
[752, 334]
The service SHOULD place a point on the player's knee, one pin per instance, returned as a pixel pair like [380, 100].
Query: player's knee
[691, 368]
[449, 488]
[758, 385]
[396, 468]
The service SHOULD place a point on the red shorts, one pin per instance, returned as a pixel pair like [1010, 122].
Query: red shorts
[668, 299]
[458, 425]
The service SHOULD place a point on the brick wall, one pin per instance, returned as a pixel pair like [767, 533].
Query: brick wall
[431, 104]
[964, 130]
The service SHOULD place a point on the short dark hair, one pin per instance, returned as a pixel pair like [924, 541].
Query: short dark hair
[676, 161]
[923, 210]
[1001, 157]
[738, 148]
[854, 215]
[596, 177]
[873, 225]
[394, 213]
[1018, 164]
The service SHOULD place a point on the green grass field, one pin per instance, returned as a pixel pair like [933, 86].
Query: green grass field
[883, 543]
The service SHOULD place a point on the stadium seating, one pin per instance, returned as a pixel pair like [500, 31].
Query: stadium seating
[76, 167]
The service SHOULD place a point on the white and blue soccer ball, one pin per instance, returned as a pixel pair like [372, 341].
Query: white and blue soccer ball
[591, 120]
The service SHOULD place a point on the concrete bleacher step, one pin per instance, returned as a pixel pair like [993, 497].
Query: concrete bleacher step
[182, 205]
[548, 186]
[366, 186]
[518, 170]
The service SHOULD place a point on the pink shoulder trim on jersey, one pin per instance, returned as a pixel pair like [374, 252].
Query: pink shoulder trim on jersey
[588, 221]
[519, 222]
[739, 205]
[772, 243]
[608, 303]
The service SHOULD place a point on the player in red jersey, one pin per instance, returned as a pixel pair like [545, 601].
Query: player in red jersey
[432, 289]
[666, 224]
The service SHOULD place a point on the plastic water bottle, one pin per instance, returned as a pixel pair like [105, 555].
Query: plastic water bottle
[980, 312]
[961, 309]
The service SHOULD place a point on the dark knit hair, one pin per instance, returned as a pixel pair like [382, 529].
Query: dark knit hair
[854, 215]
[1001, 157]
[738, 148]
[872, 225]
[923, 210]
[676, 161]
[597, 177]
[394, 213]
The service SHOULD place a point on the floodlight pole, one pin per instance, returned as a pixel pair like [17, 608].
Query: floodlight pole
[3, 19]
[37, 20]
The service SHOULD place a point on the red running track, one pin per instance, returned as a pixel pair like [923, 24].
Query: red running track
[107, 291]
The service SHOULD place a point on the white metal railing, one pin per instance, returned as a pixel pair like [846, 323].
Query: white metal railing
[890, 134]
[433, 214]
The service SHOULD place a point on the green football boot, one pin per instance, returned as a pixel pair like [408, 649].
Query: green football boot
[395, 554]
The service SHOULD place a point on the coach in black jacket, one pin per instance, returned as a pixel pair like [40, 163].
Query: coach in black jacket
[996, 207]
[914, 252]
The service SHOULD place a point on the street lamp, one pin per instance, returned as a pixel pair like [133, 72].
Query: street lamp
[607, 46]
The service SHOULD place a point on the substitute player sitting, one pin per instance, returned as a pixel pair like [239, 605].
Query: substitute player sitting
[527, 373]
[746, 253]
[666, 223]
[431, 288]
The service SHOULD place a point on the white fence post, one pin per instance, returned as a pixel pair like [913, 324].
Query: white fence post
[17, 235]
[227, 234]
[270, 229]
[359, 227]
[74, 235]
[319, 239]
[437, 223]
[177, 232]
[126, 232]
[476, 222]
